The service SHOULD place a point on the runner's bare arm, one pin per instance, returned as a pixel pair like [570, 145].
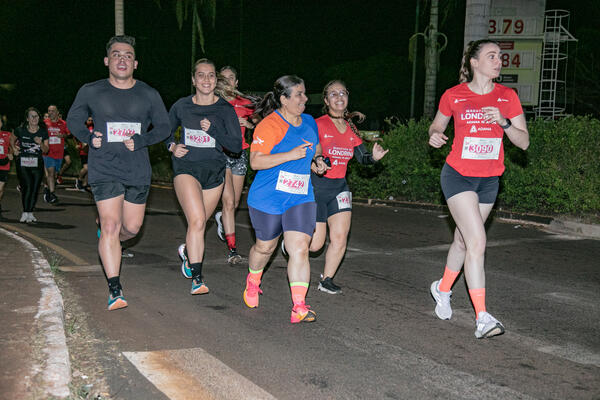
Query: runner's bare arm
[436, 130]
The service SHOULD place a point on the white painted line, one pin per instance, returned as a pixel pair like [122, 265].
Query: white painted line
[570, 351]
[56, 368]
[194, 374]
[570, 299]
[419, 370]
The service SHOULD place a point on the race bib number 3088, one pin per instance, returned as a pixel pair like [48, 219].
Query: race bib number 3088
[475, 148]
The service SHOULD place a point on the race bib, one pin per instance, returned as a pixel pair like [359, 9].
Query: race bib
[475, 148]
[344, 200]
[29, 162]
[199, 138]
[121, 131]
[292, 183]
[54, 140]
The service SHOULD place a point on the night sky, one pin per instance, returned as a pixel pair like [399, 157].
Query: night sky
[49, 48]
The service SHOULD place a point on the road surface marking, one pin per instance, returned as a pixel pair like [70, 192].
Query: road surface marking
[420, 369]
[56, 370]
[569, 351]
[194, 374]
[63, 252]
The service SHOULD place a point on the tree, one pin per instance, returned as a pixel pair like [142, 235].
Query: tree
[183, 7]
[432, 52]
[119, 18]
[476, 20]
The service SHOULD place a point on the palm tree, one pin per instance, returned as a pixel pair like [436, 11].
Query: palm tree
[476, 20]
[119, 18]
[183, 7]
[433, 48]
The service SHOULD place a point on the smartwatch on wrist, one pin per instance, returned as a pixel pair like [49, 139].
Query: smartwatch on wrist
[508, 124]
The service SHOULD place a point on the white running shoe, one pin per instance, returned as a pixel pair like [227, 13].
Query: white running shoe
[31, 218]
[487, 326]
[442, 299]
[220, 230]
[24, 217]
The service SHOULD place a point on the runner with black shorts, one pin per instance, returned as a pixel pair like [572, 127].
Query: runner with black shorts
[482, 111]
[339, 140]
[29, 142]
[208, 124]
[280, 199]
[123, 109]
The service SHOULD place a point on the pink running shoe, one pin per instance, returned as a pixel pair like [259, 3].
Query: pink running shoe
[251, 293]
[302, 313]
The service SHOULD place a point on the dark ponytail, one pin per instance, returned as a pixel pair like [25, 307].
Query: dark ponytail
[271, 101]
[472, 51]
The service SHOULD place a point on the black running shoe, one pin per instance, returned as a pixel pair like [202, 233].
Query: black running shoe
[327, 286]
[52, 198]
[234, 258]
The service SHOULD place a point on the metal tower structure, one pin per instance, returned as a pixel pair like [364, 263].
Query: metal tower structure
[553, 89]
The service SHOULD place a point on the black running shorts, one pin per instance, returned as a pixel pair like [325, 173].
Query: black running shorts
[454, 183]
[136, 194]
[332, 196]
[209, 174]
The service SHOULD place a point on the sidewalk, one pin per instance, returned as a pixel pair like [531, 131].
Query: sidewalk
[33, 351]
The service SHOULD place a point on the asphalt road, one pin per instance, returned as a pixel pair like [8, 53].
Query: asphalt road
[380, 339]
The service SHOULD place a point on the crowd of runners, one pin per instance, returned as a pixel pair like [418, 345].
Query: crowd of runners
[300, 190]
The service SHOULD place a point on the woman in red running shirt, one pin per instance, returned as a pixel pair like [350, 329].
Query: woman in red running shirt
[236, 166]
[5, 157]
[340, 142]
[483, 111]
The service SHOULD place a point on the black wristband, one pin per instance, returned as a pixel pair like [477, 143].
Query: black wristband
[508, 124]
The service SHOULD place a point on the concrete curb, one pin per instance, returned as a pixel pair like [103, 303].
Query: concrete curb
[56, 366]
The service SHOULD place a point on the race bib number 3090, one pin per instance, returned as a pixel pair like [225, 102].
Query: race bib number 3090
[475, 148]
[121, 131]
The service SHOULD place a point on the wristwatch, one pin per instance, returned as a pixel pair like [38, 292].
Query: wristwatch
[508, 124]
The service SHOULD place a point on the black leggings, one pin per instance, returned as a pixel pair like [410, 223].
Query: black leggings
[29, 179]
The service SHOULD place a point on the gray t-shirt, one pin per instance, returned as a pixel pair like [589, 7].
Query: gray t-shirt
[118, 114]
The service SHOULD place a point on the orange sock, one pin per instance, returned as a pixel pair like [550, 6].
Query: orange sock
[448, 279]
[478, 299]
[299, 290]
[255, 276]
